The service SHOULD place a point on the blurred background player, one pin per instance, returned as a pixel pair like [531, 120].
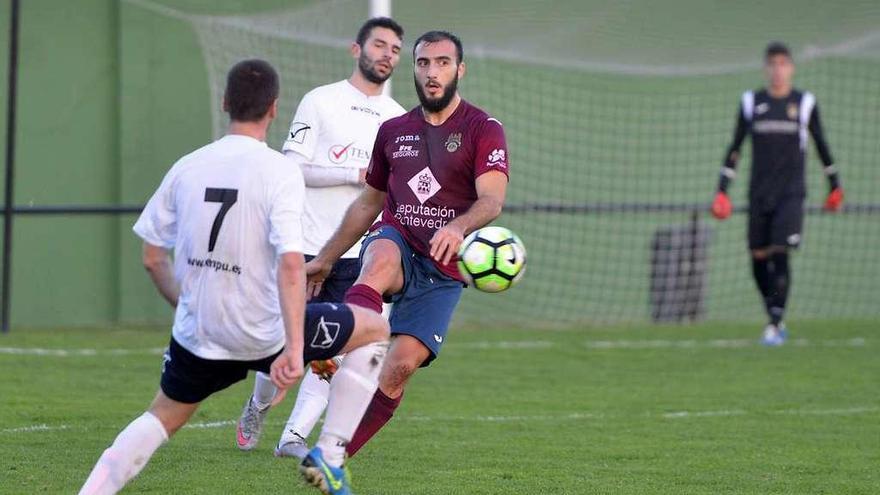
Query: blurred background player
[232, 212]
[437, 173]
[778, 118]
[330, 140]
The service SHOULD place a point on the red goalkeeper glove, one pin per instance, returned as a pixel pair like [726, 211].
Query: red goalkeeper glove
[721, 207]
[834, 200]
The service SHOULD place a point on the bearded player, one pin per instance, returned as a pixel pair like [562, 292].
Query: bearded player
[437, 173]
[330, 141]
[779, 118]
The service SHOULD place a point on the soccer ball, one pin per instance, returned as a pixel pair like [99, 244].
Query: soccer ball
[492, 259]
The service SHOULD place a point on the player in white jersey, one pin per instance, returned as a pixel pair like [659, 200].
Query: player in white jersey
[330, 140]
[232, 213]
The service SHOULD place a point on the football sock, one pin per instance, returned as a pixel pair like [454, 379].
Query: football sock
[264, 390]
[380, 412]
[762, 273]
[124, 459]
[351, 390]
[781, 281]
[311, 400]
[364, 296]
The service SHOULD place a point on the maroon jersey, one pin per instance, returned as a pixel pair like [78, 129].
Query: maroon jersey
[430, 172]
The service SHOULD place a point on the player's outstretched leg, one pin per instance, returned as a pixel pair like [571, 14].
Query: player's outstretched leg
[311, 400]
[134, 445]
[250, 424]
[351, 390]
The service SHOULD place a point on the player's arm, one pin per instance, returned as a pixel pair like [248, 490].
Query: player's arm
[491, 191]
[286, 236]
[721, 206]
[321, 176]
[835, 195]
[288, 367]
[157, 262]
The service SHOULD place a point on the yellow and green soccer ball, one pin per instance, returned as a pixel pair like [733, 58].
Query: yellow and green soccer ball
[492, 259]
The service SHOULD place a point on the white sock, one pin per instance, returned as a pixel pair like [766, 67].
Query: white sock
[351, 391]
[124, 459]
[311, 400]
[264, 390]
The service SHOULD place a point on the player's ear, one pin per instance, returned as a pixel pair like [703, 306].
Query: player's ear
[355, 50]
[461, 70]
[273, 110]
[223, 105]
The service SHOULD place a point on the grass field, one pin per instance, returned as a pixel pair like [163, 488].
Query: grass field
[635, 410]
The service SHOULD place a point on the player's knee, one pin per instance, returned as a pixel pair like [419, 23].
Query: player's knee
[381, 258]
[375, 327]
[396, 374]
[760, 254]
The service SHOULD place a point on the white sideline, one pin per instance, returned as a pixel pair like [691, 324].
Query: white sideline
[574, 416]
[492, 345]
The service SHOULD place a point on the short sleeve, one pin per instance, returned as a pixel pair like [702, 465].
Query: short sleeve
[377, 173]
[286, 212]
[302, 136]
[157, 224]
[491, 149]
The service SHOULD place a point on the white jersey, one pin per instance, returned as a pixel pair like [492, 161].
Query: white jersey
[335, 126]
[229, 210]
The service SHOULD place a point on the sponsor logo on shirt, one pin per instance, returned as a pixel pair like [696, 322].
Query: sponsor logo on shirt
[405, 151]
[298, 131]
[497, 158]
[367, 110]
[340, 153]
[761, 108]
[453, 142]
[424, 185]
[407, 138]
[325, 334]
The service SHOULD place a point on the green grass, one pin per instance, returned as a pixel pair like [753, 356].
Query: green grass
[502, 412]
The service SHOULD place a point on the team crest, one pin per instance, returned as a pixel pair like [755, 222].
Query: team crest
[453, 142]
[792, 111]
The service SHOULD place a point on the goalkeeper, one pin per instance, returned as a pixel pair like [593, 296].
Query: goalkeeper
[779, 118]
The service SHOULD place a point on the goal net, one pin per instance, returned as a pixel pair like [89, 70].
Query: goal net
[615, 151]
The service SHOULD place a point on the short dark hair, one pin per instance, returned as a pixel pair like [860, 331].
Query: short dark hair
[435, 36]
[251, 89]
[382, 22]
[776, 48]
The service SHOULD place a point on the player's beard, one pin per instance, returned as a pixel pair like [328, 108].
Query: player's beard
[367, 68]
[436, 105]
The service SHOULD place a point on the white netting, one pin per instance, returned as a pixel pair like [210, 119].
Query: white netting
[616, 141]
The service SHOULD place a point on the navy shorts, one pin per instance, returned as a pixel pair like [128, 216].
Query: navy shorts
[190, 379]
[342, 277]
[778, 224]
[424, 307]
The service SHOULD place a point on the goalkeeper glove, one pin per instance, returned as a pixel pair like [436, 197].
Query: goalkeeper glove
[721, 207]
[834, 200]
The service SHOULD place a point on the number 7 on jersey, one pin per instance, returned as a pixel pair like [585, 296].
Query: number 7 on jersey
[227, 198]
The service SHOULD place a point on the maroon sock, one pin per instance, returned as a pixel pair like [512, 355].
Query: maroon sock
[378, 413]
[364, 296]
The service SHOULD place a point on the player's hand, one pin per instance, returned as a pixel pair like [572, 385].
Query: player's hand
[316, 272]
[721, 207]
[287, 369]
[445, 243]
[834, 201]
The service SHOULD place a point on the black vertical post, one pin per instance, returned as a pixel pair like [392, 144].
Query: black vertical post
[10, 160]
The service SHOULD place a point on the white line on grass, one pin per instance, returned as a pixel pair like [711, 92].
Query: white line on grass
[39, 351]
[491, 345]
[573, 416]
